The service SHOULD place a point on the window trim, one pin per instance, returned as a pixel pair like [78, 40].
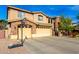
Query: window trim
[49, 20]
[21, 14]
[39, 18]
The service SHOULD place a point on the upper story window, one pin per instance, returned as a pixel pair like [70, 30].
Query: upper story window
[21, 15]
[40, 18]
[49, 20]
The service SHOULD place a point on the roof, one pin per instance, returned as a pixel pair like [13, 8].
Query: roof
[27, 10]
[12, 7]
[77, 28]
[19, 9]
[44, 24]
[20, 20]
[40, 12]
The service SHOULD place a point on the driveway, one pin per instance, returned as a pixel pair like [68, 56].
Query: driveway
[45, 45]
[4, 47]
[52, 45]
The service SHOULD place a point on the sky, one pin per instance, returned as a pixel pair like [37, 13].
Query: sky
[50, 10]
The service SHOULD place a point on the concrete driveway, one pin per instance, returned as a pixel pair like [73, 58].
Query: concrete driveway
[52, 45]
[45, 45]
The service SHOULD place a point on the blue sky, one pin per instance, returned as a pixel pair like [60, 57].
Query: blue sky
[50, 10]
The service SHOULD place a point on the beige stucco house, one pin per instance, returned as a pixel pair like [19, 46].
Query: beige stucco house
[35, 24]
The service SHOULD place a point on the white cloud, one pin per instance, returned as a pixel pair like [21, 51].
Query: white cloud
[53, 8]
[76, 8]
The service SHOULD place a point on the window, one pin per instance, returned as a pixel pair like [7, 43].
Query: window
[9, 25]
[49, 20]
[21, 15]
[40, 18]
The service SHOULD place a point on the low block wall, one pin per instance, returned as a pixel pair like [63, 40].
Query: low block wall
[2, 34]
[26, 34]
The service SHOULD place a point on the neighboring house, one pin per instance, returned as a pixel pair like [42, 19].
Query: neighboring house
[36, 24]
[75, 32]
[55, 25]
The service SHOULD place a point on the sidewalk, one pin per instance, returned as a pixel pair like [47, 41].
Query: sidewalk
[4, 47]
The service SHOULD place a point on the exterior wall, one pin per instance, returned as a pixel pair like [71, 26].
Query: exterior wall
[56, 25]
[29, 17]
[45, 19]
[33, 27]
[14, 27]
[13, 37]
[26, 34]
[57, 21]
[13, 15]
[7, 33]
[13, 30]
[53, 32]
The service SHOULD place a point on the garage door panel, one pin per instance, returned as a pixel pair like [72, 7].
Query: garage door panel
[42, 32]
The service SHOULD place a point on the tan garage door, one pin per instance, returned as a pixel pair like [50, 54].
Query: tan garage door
[41, 32]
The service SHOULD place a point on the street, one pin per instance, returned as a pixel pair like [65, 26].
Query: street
[52, 45]
[44, 45]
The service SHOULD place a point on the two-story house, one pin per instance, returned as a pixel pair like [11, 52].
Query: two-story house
[34, 24]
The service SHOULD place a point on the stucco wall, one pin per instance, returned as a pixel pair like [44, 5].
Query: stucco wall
[57, 21]
[29, 16]
[26, 33]
[45, 19]
[13, 15]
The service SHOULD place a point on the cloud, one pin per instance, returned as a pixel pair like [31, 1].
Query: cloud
[75, 8]
[53, 8]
